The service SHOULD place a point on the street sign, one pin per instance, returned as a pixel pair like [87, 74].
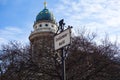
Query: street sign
[62, 39]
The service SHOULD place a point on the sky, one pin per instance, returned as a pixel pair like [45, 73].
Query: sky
[100, 16]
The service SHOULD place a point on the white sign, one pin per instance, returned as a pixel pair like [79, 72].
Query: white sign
[62, 39]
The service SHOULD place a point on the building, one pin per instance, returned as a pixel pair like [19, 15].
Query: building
[41, 38]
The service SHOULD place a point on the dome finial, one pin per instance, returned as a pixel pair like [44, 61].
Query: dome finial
[45, 4]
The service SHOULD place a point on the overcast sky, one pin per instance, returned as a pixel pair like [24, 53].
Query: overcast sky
[100, 16]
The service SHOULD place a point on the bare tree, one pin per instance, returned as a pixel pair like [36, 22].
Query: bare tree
[85, 61]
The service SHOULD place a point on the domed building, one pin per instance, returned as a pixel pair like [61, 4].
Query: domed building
[41, 38]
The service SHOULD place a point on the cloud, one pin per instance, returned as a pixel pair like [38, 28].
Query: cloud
[100, 15]
[10, 31]
[15, 33]
[2, 40]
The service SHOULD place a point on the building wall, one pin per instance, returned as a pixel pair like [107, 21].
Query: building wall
[42, 46]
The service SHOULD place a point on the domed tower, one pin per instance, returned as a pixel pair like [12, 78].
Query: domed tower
[41, 38]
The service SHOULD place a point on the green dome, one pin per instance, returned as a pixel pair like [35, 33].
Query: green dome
[45, 14]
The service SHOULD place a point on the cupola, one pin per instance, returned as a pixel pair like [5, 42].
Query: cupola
[45, 15]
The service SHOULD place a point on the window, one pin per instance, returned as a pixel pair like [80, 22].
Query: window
[40, 25]
[52, 26]
[46, 24]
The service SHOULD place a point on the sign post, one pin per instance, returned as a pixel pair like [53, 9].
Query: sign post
[60, 41]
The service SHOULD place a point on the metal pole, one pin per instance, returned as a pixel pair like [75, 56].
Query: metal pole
[63, 65]
[61, 28]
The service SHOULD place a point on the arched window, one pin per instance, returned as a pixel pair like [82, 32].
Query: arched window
[52, 26]
[46, 24]
[40, 25]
